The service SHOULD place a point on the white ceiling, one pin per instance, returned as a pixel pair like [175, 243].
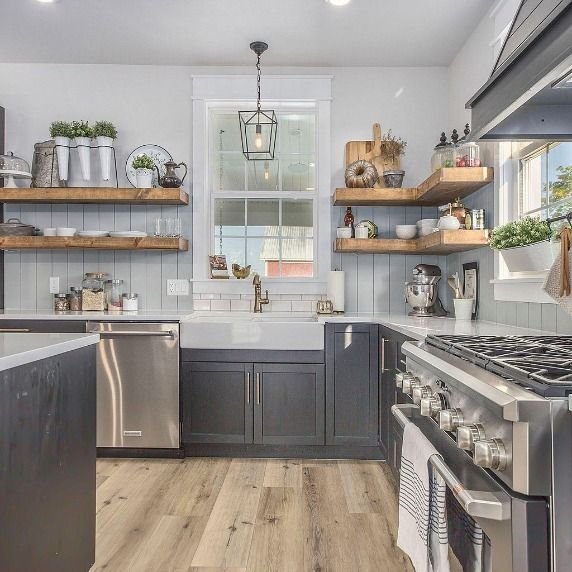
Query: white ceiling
[218, 32]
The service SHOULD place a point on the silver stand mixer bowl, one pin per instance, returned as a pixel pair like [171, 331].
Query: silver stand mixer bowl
[422, 293]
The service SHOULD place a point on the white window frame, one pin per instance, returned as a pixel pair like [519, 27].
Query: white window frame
[278, 91]
[512, 287]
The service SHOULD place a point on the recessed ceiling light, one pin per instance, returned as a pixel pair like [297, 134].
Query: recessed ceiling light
[48, 1]
[338, 2]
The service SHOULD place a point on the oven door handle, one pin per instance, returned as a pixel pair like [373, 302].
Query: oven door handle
[478, 504]
[134, 333]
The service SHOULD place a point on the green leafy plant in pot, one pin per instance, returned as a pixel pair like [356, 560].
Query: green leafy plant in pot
[144, 166]
[105, 133]
[82, 134]
[524, 244]
[61, 132]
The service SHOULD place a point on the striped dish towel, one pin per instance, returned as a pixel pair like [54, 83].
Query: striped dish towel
[422, 533]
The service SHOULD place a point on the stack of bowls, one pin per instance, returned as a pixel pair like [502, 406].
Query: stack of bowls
[426, 226]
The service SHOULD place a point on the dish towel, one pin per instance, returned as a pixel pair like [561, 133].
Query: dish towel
[422, 532]
[558, 280]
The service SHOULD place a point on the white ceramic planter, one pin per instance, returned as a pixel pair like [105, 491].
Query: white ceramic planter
[84, 150]
[105, 145]
[536, 257]
[144, 178]
[463, 308]
[63, 155]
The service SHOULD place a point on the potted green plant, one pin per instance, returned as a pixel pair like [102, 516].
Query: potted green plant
[61, 133]
[524, 245]
[144, 166]
[105, 133]
[82, 134]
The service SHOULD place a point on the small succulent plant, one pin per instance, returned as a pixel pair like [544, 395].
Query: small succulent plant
[105, 129]
[143, 161]
[61, 129]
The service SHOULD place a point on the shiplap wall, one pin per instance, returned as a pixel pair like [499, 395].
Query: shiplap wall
[136, 100]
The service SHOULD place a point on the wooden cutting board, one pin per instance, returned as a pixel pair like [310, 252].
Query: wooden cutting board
[371, 151]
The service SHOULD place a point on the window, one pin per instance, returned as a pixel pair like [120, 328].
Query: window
[263, 212]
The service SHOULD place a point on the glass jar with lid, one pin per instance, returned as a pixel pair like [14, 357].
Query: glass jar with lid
[92, 293]
[61, 302]
[468, 155]
[113, 293]
[437, 158]
[75, 299]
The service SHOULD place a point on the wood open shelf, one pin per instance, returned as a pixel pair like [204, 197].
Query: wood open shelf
[95, 195]
[442, 187]
[103, 243]
[442, 242]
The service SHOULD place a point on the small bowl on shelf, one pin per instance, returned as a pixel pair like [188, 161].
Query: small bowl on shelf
[66, 231]
[432, 222]
[393, 179]
[406, 231]
[240, 272]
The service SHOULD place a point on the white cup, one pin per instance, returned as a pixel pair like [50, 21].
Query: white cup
[463, 308]
[50, 231]
[361, 231]
[344, 232]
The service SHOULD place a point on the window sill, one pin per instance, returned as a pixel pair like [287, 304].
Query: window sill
[274, 286]
[526, 289]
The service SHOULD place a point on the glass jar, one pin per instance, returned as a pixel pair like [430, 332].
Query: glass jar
[92, 293]
[437, 158]
[113, 292]
[61, 303]
[130, 302]
[75, 299]
[468, 155]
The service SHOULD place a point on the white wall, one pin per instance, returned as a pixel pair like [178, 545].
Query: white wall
[151, 104]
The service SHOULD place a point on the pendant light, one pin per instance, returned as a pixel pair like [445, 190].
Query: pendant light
[258, 129]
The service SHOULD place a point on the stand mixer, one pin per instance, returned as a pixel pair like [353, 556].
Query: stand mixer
[422, 293]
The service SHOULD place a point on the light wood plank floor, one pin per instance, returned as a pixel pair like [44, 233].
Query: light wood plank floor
[246, 515]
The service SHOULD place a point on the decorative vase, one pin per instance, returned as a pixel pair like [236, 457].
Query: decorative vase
[84, 150]
[63, 155]
[144, 178]
[105, 148]
[536, 257]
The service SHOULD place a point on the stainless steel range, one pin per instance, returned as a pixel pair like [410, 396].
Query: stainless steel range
[503, 401]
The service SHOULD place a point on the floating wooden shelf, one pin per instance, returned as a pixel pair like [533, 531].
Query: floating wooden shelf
[442, 187]
[442, 242]
[103, 243]
[95, 195]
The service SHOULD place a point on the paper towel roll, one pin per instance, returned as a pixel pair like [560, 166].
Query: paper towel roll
[336, 289]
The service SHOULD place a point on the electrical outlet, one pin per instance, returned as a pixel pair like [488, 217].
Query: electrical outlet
[54, 284]
[178, 287]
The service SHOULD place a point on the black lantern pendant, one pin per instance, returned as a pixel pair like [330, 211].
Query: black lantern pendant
[258, 129]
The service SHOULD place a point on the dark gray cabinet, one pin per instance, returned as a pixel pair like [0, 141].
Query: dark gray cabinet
[388, 367]
[245, 402]
[289, 404]
[352, 384]
[217, 402]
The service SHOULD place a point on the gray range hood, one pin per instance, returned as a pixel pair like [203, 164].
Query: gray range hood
[529, 93]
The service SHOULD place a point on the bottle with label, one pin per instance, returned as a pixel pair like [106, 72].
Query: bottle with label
[349, 220]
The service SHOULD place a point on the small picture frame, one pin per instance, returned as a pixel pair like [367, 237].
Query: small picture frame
[218, 266]
[471, 284]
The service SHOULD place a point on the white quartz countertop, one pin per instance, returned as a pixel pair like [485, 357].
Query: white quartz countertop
[22, 348]
[149, 316]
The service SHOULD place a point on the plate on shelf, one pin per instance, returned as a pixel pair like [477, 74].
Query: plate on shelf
[92, 233]
[159, 155]
[127, 234]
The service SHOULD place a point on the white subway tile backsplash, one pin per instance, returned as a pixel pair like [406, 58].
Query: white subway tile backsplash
[240, 305]
[290, 296]
[210, 296]
[310, 297]
[280, 306]
[220, 305]
[303, 306]
[202, 305]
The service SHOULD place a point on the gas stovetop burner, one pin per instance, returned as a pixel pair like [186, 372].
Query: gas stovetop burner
[541, 363]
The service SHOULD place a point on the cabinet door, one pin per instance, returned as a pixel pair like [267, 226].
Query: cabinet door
[352, 384]
[387, 368]
[289, 404]
[217, 402]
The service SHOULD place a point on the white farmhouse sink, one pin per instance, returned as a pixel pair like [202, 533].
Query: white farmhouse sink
[249, 331]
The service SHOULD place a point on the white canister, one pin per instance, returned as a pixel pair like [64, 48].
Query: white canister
[344, 232]
[463, 308]
[130, 302]
[336, 289]
[361, 231]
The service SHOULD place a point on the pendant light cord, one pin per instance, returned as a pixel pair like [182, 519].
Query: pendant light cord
[258, 74]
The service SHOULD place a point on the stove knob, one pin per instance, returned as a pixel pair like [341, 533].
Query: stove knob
[400, 376]
[430, 406]
[467, 435]
[421, 392]
[409, 383]
[450, 419]
[490, 454]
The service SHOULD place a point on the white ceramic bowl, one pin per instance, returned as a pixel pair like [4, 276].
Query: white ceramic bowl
[425, 230]
[50, 231]
[431, 222]
[92, 233]
[406, 231]
[449, 222]
[66, 231]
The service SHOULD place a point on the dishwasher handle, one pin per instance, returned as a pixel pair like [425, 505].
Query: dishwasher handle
[484, 504]
[135, 333]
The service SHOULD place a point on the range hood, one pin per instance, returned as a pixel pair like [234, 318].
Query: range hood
[529, 93]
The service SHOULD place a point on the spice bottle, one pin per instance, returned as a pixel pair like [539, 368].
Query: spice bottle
[61, 303]
[349, 220]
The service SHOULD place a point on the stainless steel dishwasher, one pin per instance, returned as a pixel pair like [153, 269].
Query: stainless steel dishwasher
[137, 384]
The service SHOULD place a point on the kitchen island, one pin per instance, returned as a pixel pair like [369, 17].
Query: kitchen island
[47, 451]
